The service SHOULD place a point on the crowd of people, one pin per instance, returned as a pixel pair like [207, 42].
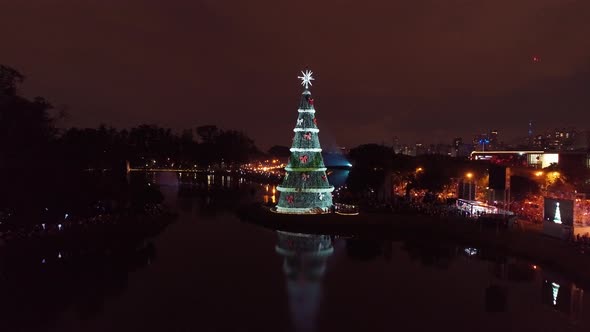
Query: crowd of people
[399, 204]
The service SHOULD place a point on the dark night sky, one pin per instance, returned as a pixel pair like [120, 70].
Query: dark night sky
[419, 69]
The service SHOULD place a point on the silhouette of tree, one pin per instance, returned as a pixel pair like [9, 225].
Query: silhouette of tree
[208, 133]
[26, 127]
[521, 187]
[234, 146]
[372, 156]
[10, 78]
[28, 137]
[371, 163]
[279, 151]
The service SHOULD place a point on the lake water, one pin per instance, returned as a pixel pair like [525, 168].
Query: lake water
[209, 271]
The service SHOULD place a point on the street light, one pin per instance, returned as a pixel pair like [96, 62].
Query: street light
[552, 177]
[469, 176]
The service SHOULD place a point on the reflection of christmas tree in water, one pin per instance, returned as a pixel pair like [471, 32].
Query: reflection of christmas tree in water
[305, 188]
[557, 217]
[304, 264]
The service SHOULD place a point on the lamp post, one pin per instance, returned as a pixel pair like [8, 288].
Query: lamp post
[469, 177]
[483, 142]
[540, 176]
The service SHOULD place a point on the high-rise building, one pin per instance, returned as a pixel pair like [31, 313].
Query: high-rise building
[538, 142]
[395, 144]
[557, 140]
[494, 143]
[405, 150]
[456, 146]
[420, 149]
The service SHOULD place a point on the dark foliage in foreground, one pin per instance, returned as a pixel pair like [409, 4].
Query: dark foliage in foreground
[29, 139]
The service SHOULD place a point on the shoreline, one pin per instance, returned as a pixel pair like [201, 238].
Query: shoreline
[540, 249]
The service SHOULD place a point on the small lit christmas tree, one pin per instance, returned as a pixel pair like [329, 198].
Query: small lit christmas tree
[305, 188]
[557, 217]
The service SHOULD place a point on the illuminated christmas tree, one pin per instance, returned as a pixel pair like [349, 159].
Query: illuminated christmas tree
[305, 188]
[555, 290]
[557, 217]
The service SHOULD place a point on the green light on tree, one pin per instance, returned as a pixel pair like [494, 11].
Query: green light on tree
[305, 188]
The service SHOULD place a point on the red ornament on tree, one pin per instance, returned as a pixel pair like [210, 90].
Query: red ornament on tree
[290, 199]
[311, 101]
[307, 136]
[315, 121]
[324, 178]
[304, 159]
[304, 177]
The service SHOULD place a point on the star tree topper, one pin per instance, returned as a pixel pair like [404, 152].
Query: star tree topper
[306, 78]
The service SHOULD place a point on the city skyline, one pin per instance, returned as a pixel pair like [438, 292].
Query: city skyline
[399, 70]
[223, 165]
